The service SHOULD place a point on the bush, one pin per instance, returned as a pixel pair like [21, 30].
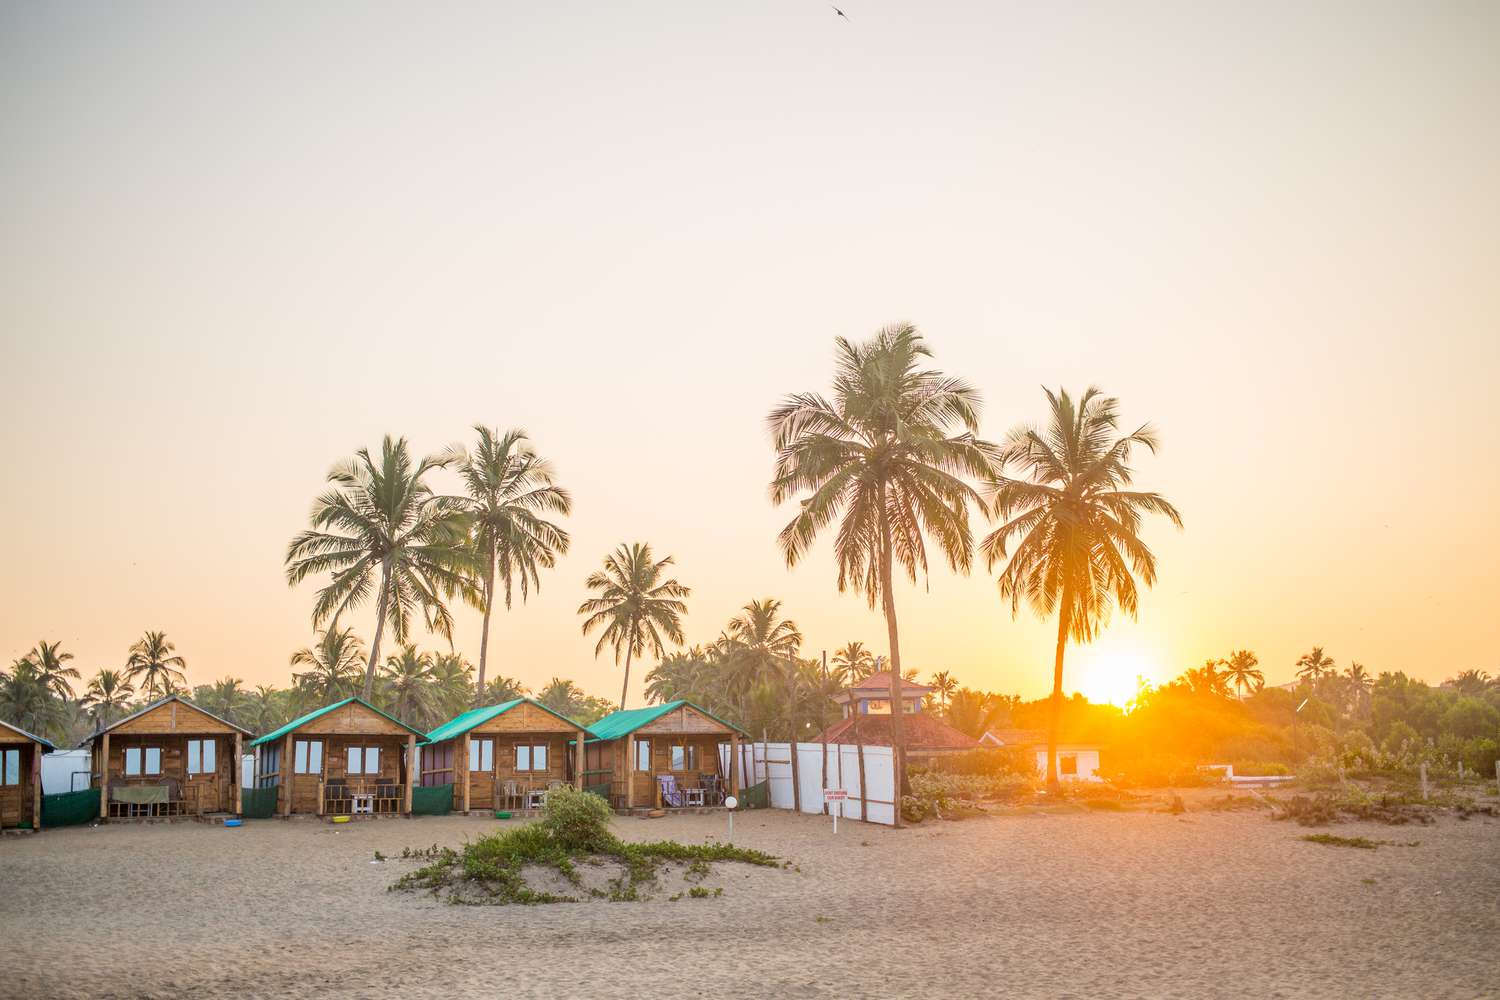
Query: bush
[577, 821]
[1259, 769]
[989, 762]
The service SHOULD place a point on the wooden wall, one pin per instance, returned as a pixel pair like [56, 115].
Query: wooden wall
[336, 766]
[16, 801]
[215, 791]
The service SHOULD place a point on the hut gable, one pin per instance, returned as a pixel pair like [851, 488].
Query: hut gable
[684, 719]
[171, 716]
[15, 734]
[525, 718]
[354, 718]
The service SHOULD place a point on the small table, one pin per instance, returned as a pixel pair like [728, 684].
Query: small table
[364, 804]
[693, 796]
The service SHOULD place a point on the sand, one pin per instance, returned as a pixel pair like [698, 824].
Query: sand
[1085, 905]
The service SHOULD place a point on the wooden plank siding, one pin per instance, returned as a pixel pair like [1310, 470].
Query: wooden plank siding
[681, 727]
[351, 725]
[20, 802]
[523, 726]
[168, 728]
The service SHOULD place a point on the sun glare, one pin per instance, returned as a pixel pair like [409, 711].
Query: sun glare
[1109, 674]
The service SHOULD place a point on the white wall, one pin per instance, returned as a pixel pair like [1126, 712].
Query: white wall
[58, 768]
[762, 761]
[1088, 764]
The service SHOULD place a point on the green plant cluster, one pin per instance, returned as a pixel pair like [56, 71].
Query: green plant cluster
[574, 828]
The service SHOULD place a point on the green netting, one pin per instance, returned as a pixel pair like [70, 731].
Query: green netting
[258, 803]
[70, 808]
[756, 796]
[600, 790]
[436, 800]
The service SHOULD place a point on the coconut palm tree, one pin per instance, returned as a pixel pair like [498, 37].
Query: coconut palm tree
[406, 689]
[759, 646]
[975, 712]
[1314, 666]
[503, 689]
[636, 607]
[269, 708]
[154, 666]
[51, 665]
[510, 489]
[106, 696]
[944, 684]
[562, 696]
[887, 458]
[224, 698]
[1207, 680]
[690, 674]
[1240, 670]
[27, 698]
[1470, 682]
[453, 684]
[1076, 525]
[334, 665]
[1360, 683]
[381, 533]
[853, 662]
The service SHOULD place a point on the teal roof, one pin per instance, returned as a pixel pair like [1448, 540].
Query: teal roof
[298, 723]
[622, 723]
[461, 724]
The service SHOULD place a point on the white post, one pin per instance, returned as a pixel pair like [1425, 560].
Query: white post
[1497, 777]
[1423, 772]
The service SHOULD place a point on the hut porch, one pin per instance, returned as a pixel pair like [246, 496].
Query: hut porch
[503, 756]
[345, 759]
[672, 756]
[21, 778]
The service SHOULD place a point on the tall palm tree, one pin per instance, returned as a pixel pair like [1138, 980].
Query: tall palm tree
[154, 666]
[1470, 682]
[882, 458]
[51, 665]
[853, 662]
[452, 684]
[1314, 666]
[510, 489]
[944, 684]
[1207, 680]
[689, 674]
[406, 689]
[1240, 669]
[1077, 526]
[1360, 683]
[635, 605]
[106, 696]
[760, 646]
[975, 712]
[268, 708]
[503, 689]
[382, 533]
[561, 695]
[335, 665]
[27, 698]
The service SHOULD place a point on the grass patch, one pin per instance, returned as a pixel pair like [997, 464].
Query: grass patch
[574, 828]
[1363, 843]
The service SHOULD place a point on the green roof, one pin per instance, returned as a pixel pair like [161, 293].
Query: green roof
[622, 723]
[461, 724]
[298, 723]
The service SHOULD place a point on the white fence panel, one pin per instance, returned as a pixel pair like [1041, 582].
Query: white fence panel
[773, 762]
[65, 771]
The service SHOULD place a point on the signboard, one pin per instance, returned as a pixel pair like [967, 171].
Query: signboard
[834, 794]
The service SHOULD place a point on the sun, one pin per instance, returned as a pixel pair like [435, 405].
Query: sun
[1105, 674]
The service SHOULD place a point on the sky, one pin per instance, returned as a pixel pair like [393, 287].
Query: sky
[239, 242]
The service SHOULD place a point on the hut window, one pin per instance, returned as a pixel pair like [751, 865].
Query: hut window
[200, 756]
[364, 760]
[684, 757]
[10, 768]
[481, 755]
[1067, 764]
[643, 755]
[531, 758]
[307, 756]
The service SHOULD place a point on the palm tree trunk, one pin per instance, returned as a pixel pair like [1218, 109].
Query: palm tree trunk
[385, 582]
[484, 635]
[888, 602]
[626, 686]
[1055, 712]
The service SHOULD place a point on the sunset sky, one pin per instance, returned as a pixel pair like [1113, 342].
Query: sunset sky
[232, 252]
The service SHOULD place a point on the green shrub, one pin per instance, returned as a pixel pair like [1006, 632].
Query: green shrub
[1259, 769]
[577, 821]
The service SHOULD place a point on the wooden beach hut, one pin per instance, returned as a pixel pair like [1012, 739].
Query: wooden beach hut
[171, 758]
[504, 756]
[21, 777]
[664, 756]
[344, 759]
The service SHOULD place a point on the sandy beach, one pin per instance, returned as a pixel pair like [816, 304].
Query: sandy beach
[1088, 905]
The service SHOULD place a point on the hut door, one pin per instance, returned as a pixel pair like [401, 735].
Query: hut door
[202, 772]
[13, 787]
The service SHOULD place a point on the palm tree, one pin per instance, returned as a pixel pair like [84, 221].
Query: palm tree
[224, 698]
[759, 646]
[335, 665]
[1470, 682]
[452, 683]
[27, 698]
[974, 712]
[853, 663]
[1360, 682]
[106, 697]
[880, 459]
[510, 488]
[50, 662]
[562, 696]
[154, 660]
[1240, 670]
[1207, 680]
[268, 709]
[1314, 666]
[1078, 527]
[636, 607]
[382, 533]
[501, 690]
[944, 684]
[406, 689]
[689, 674]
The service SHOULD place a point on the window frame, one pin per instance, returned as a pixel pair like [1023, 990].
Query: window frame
[689, 752]
[202, 756]
[305, 748]
[364, 761]
[538, 758]
[479, 749]
[642, 744]
[10, 767]
[1067, 763]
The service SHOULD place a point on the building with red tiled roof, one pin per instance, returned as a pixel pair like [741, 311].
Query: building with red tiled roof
[872, 695]
[920, 732]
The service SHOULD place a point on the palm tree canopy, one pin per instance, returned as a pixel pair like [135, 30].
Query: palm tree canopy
[406, 689]
[636, 607]
[1314, 664]
[154, 666]
[381, 524]
[886, 454]
[1240, 669]
[334, 665]
[1077, 525]
[510, 491]
[51, 665]
[853, 662]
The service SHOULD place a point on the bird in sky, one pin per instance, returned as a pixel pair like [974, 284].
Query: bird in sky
[839, 12]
